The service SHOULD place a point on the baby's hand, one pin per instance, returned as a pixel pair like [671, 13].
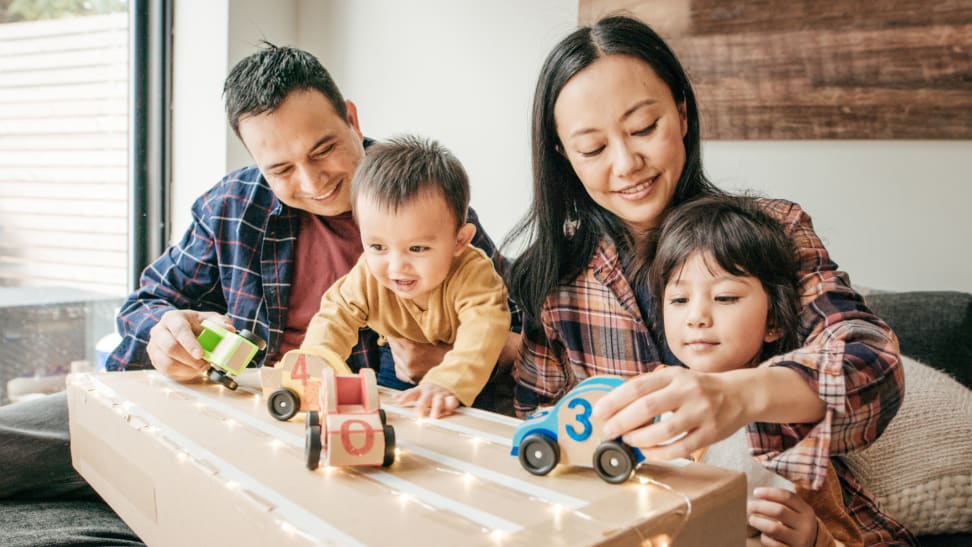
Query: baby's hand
[783, 517]
[428, 396]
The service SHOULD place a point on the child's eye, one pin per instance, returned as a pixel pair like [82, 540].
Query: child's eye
[418, 248]
[376, 247]
[678, 300]
[727, 299]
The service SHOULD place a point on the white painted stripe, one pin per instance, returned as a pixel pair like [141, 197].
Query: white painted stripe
[426, 496]
[450, 425]
[538, 492]
[294, 514]
[443, 503]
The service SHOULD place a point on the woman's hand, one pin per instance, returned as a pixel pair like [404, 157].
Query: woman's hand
[414, 360]
[783, 518]
[172, 347]
[705, 407]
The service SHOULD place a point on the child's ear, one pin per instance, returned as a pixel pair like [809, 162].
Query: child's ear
[772, 335]
[463, 238]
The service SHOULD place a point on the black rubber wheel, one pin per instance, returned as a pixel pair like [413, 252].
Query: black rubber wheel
[313, 418]
[215, 375]
[283, 404]
[614, 462]
[539, 454]
[389, 446]
[249, 335]
[229, 383]
[312, 446]
[382, 417]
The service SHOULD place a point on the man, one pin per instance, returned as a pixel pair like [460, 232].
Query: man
[264, 244]
[267, 240]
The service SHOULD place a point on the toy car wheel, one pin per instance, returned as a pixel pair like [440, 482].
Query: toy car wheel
[215, 375]
[283, 404]
[312, 446]
[539, 454]
[228, 382]
[313, 418]
[382, 417]
[250, 336]
[614, 462]
[389, 446]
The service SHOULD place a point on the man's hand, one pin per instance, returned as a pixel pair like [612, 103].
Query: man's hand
[173, 348]
[414, 360]
[783, 517]
[428, 396]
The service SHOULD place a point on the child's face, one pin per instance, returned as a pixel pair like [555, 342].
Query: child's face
[714, 321]
[410, 250]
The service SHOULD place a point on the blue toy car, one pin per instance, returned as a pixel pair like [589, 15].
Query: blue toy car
[565, 434]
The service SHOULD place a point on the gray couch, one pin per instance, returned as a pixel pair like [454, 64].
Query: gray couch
[936, 329]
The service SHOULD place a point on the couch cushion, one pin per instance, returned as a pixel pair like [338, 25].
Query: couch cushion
[933, 327]
[920, 469]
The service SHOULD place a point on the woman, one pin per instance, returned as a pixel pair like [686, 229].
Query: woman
[616, 145]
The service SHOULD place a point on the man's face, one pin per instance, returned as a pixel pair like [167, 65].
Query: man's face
[306, 151]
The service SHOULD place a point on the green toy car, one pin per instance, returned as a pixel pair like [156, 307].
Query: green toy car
[227, 353]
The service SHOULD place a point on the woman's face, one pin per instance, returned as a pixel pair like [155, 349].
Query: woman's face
[622, 132]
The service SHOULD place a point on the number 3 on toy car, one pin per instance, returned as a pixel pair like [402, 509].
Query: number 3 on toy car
[583, 418]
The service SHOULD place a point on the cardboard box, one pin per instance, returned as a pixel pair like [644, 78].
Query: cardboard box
[199, 464]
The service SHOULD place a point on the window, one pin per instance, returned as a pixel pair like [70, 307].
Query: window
[64, 184]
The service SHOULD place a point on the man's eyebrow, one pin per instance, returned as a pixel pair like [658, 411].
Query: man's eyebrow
[320, 142]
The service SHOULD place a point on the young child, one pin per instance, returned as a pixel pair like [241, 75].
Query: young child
[418, 277]
[725, 278]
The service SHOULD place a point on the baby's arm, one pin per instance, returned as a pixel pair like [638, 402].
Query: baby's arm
[437, 400]
[344, 310]
[784, 518]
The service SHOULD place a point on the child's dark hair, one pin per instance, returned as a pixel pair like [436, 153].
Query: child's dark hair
[743, 240]
[260, 82]
[396, 171]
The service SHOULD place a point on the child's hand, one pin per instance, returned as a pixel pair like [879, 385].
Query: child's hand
[428, 396]
[782, 517]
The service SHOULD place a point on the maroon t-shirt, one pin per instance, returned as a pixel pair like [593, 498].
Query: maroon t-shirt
[326, 249]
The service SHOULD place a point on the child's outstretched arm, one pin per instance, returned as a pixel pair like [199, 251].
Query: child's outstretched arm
[430, 399]
[784, 518]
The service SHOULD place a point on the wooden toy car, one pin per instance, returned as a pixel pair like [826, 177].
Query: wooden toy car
[566, 434]
[227, 353]
[351, 427]
[294, 382]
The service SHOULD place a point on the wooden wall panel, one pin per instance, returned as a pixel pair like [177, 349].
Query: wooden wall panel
[819, 69]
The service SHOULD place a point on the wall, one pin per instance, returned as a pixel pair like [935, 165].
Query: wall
[463, 71]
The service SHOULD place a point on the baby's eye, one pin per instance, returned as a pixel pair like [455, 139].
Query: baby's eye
[376, 247]
[418, 248]
[727, 299]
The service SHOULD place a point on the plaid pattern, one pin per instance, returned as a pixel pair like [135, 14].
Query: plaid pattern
[236, 259]
[592, 326]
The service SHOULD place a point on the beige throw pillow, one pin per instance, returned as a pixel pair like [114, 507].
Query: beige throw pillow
[920, 469]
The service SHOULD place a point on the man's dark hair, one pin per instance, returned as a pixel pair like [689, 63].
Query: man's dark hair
[260, 82]
[397, 171]
[742, 239]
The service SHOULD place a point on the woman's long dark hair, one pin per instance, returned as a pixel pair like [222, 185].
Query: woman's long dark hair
[564, 224]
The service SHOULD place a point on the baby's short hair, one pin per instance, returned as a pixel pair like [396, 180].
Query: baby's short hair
[396, 171]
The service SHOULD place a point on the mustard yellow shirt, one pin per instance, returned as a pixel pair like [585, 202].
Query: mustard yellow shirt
[468, 310]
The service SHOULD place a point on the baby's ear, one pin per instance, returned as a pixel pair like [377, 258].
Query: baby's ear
[772, 335]
[465, 235]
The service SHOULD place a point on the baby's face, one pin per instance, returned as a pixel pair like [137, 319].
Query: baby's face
[715, 321]
[410, 250]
